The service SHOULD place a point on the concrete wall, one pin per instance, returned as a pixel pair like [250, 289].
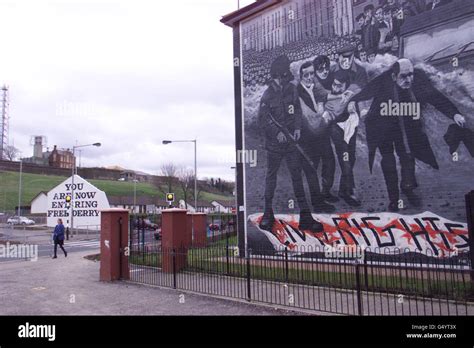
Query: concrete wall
[87, 173]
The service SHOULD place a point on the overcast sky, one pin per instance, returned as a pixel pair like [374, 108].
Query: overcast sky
[126, 73]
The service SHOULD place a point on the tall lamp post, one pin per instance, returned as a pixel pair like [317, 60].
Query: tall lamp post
[19, 190]
[166, 142]
[74, 172]
[134, 195]
[235, 179]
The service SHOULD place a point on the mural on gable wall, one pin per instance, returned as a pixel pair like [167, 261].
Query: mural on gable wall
[360, 115]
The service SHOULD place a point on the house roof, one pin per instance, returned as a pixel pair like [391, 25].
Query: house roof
[136, 172]
[62, 151]
[39, 194]
[225, 203]
[140, 200]
[204, 204]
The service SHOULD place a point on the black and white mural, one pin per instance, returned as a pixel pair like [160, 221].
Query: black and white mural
[359, 117]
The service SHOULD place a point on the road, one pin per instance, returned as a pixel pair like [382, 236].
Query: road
[42, 240]
[41, 237]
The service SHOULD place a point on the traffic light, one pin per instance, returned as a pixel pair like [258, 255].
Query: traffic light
[170, 198]
[68, 201]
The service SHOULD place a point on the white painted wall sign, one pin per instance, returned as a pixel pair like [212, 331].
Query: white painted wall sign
[87, 203]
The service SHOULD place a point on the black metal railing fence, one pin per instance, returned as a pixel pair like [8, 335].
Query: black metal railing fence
[375, 282]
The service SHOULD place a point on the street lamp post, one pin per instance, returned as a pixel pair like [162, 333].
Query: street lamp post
[166, 142]
[80, 156]
[134, 195]
[235, 177]
[72, 180]
[19, 190]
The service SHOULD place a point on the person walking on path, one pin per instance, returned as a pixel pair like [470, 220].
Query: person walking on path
[58, 238]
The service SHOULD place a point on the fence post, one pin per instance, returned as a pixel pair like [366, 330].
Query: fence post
[469, 198]
[359, 293]
[286, 264]
[174, 268]
[130, 229]
[366, 275]
[249, 294]
[143, 244]
[227, 254]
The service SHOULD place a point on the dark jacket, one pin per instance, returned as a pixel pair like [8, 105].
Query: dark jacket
[358, 77]
[382, 89]
[457, 135]
[284, 106]
[371, 35]
[389, 34]
[312, 126]
[322, 87]
[306, 97]
[58, 233]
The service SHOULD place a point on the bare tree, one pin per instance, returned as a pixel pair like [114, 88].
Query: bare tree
[11, 152]
[169, 178]
[186, 181]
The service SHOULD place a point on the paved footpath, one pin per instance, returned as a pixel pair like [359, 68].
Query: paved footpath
[71, 286]
[42, 239]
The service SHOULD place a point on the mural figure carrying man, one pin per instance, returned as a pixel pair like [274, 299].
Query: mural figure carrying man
[343, 129]
[402, 86]
[346, 150]
[315, 141]
[280, 120]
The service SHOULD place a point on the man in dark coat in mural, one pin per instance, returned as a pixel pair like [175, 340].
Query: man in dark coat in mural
[393, 125]
[280, 120]
[315, 141]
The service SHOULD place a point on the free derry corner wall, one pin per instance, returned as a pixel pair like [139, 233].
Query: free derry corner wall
[86, 204]
[353, 149]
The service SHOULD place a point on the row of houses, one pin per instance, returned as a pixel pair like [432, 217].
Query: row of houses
[146, 205]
